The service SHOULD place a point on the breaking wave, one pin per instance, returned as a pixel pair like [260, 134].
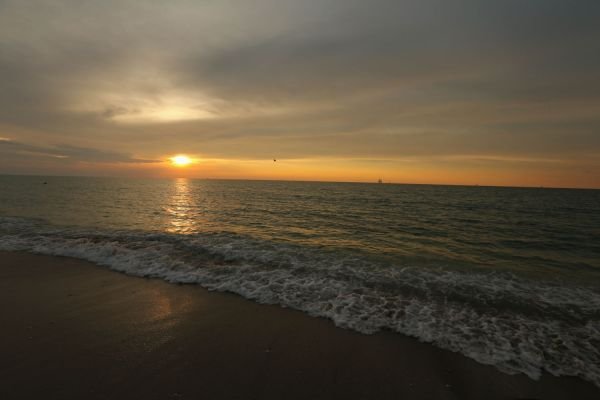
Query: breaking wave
[514, 323]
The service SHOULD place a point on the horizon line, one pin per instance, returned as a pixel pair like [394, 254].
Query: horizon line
[306, 181]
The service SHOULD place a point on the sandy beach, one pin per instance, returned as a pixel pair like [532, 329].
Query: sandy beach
[73, 330]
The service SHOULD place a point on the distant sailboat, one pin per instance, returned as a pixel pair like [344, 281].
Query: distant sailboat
[379, 181]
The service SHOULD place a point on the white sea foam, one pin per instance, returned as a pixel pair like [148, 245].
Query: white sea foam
[516, 324]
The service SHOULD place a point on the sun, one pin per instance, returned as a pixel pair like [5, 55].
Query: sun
[180, 160]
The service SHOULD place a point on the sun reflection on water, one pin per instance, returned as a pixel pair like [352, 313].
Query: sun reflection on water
[180, 208]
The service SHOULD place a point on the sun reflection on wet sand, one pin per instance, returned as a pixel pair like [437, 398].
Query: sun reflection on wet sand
[180, 208]
[164, 308]
[162, 314]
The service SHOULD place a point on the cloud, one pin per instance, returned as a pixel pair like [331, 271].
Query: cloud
[10, 148]
[385, 79]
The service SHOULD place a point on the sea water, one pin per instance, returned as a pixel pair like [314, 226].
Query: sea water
[507, 276]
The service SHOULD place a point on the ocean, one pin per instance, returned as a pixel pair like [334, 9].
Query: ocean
[507, 276]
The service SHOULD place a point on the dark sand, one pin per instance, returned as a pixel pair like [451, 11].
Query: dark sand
[72, 330]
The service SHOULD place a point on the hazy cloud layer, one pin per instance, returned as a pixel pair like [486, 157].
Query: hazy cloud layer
[15, 149]
[378, 80]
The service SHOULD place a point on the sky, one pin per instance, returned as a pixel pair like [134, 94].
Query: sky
[415, 91]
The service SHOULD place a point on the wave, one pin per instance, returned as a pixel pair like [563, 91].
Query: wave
[511, 322]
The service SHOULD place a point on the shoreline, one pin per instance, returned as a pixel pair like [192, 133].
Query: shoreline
[72, 329]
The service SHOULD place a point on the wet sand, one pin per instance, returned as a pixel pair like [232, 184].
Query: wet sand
[73, 330]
